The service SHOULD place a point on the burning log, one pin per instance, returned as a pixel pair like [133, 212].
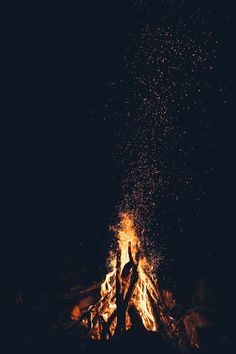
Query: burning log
[119, 310]
[123, 295]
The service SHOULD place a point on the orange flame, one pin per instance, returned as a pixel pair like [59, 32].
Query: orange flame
[128, 289]
[127, 237]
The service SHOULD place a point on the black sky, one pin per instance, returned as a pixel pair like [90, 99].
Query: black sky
[57, 191]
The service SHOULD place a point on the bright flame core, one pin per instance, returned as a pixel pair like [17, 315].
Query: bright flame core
[144, 288]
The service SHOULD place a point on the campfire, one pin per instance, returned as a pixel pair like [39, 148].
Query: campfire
[130, 294]
[127, 305]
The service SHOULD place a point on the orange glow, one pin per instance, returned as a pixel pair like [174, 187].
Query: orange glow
[75, 315]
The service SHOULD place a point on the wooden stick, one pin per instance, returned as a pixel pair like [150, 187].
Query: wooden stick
[118, 293]
[122, 314]
[78, 322]
[111, 319]
[106, 327]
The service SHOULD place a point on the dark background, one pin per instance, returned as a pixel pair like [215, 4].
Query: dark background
[57, 193]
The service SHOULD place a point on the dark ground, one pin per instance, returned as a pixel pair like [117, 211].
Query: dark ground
[57, 191]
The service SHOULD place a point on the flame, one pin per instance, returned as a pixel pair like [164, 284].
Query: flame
[128, 288]
[127, 239]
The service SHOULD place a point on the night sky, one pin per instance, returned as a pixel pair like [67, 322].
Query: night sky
[60, 185]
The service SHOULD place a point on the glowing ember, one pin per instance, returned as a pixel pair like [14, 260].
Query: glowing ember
[75, 315]
[129, 291]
